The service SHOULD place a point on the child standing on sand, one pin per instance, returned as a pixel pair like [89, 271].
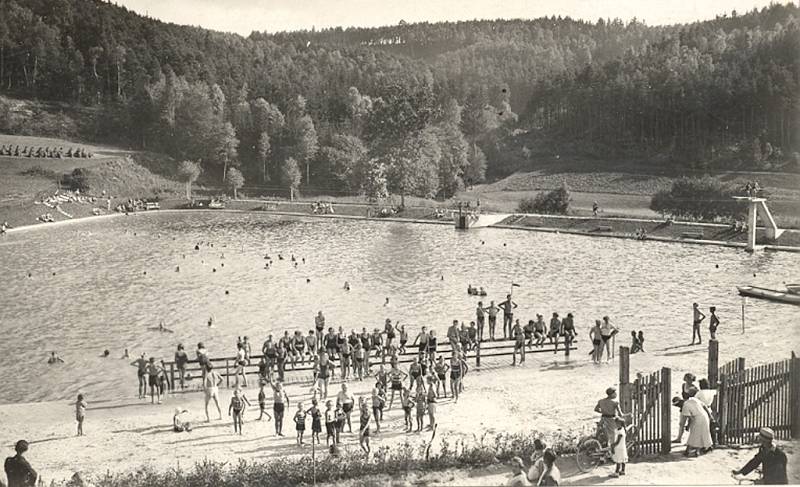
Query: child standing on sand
[300, 423]
[237, 408]
[330, 423]
[316, 420]
[619, 448]
[262, 401]
[420, 401]
[80, 413]
[408, 403]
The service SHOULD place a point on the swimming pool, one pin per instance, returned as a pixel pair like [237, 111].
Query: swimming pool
[116, 278]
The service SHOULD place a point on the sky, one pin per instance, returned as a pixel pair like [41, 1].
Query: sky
[245, 16]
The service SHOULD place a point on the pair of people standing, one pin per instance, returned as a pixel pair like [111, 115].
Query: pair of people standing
[507, 307]
[698, 317]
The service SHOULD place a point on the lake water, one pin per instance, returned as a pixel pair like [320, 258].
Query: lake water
[116, 278]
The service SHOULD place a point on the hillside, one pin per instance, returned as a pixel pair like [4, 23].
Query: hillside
[110, 171]
[419, 109]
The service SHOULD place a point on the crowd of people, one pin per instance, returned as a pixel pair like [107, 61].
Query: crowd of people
[43, 152]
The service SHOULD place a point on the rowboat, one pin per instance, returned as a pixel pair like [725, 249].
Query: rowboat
[793, 288]
[770, 294]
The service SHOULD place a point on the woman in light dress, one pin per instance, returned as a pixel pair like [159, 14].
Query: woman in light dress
[699, 440]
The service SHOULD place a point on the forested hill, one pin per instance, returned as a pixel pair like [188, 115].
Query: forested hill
[417, 107]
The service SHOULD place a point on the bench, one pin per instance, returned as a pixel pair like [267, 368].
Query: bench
[695, 235]
[152, 206]
[603, 228]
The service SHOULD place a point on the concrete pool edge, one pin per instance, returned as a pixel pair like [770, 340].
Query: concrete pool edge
[719, 243]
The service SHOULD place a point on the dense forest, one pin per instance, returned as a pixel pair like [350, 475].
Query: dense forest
[417, 109]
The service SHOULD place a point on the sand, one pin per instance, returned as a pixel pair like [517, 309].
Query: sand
[548, 395]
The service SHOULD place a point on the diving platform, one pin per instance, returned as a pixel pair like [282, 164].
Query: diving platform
[754, 204]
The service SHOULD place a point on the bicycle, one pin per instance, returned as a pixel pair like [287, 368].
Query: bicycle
[591, 452]
[745, 481]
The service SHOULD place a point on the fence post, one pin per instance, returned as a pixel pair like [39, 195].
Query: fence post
[171, 376]
[713, 363]
[227, 374]
[478, 355]
[740, 364]
[624, 379]
[722, 409]
[666, 410]
[794, 393]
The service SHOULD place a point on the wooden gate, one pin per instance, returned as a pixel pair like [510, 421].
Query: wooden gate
[750, 399]
[647, 399]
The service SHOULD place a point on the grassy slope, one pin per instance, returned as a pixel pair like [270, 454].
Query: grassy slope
[122, 174]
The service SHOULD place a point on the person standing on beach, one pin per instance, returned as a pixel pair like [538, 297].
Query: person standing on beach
[241, 362]
[211, 382]
[609, 409]
[330, 423]
[607, 331]
[396, 377]
[141, 365]
[237, 408]
[519, 344]
[597, 342]
[181, 359]
[441, 368]
[492, 311]
[697, 318]
[713, 322]
[480, 317]
[18, 471]
[453, 334]
[508, 315]
[363, 433]
[324, 374]
[457, 368]
[153, 372]
[422, 341]
[300, 423]
[80, 413]
[319, 324]
[346, 400]
[280, 401]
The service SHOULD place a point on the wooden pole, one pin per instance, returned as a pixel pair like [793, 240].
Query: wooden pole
[744, 303]
[624, 380]
[794, 393]
[314, 459]
[666, 410]
[227, 374]
[478, 355]
[713, 363]
[722, 409]
[171, 376]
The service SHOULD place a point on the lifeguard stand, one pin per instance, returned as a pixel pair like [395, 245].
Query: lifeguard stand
[753, 204]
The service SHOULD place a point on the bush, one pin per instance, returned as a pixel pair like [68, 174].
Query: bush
[41, 172]
[554, 202]
[703, 198]
[79, 179]
[280, 471]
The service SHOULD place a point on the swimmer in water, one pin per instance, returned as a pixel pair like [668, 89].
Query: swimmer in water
[210, 321]
[346, 285]
[106, 353]
[54, 359]
[387, 302]
[125, 354]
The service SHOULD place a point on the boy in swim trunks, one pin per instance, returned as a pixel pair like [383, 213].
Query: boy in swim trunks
[396, 377]
[697, 318]
[403, 337]
[346, 400]
[408, 403]
[492, 311]
[713, 322]
[80, 413]
[519, 344]
[237, 408]
[262, 401]
[441, 369]
[330, 423]
[480, 316]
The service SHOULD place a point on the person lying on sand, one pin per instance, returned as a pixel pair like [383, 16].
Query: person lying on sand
[178, 425]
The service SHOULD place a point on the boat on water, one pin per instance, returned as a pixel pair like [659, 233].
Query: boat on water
[770, 294]
[793, 288]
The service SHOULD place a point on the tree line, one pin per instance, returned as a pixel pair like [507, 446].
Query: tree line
[420, 109]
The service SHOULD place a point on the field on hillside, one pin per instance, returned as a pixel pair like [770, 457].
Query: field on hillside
[120, 173]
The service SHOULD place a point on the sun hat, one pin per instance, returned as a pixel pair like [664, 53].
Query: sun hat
[767, 433]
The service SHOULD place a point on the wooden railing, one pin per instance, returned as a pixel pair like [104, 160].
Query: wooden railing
[226, 366]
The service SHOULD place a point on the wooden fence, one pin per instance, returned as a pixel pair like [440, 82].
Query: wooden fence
[752, 398]
[226, 366]
[648, 400]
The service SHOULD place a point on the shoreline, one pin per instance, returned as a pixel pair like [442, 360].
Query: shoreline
[530, 222]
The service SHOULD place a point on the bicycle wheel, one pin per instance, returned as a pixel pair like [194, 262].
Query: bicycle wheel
[633, 449]
[589, 455]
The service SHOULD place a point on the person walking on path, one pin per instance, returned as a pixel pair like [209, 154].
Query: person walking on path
[211, 383]
[697, 318]
[770, 458]
[18, 471]
[508, 315]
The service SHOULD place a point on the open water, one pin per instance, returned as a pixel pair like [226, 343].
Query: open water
[100, 285]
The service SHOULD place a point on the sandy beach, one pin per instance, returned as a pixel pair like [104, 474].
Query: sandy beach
[548, 394]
